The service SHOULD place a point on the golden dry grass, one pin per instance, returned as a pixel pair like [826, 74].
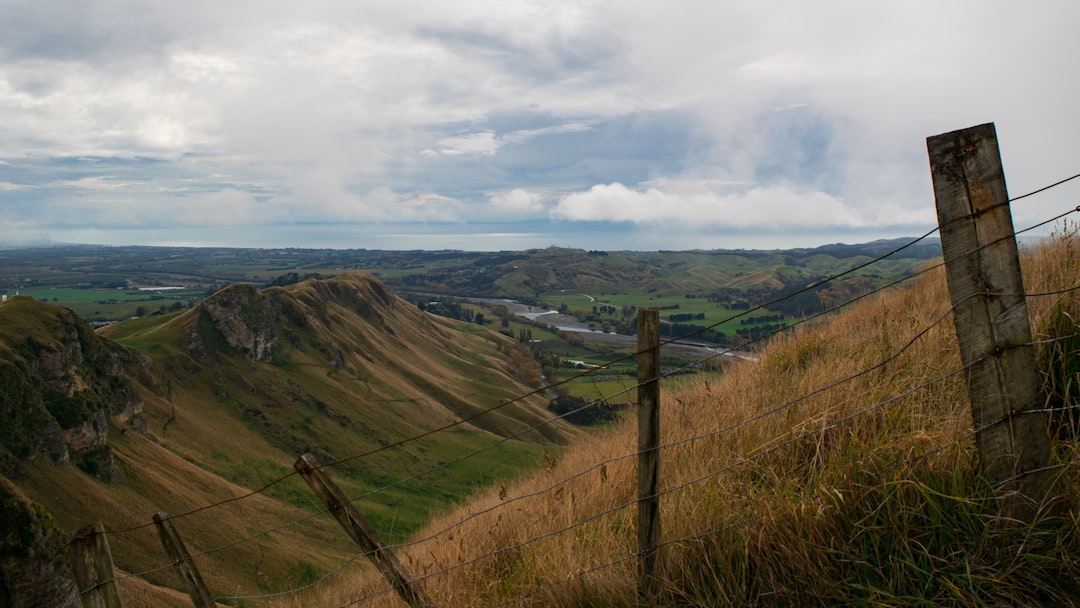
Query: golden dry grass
[839, 468]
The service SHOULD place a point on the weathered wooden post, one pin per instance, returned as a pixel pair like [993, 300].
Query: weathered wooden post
[990, 310]
[92, 564]
[362, 533]
[648, 390]
[178, 553]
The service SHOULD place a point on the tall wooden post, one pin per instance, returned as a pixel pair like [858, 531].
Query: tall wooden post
[648, 362]
[92, 564]
[362, 533]
[987, 291]
[178, 553]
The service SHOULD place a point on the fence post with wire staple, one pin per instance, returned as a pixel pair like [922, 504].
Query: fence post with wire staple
[990, 310]
[178, 553]
[362, 533]
[91, 562]
[648, 524]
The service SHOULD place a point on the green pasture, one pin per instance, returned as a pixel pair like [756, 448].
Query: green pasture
[600, 386]
[115, 304]
[725, 319]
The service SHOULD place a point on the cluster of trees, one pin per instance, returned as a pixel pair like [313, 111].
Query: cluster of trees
[756, 319]
[464, 281]
[682, 317]
[581, 412]
[674, 330]
[451, 308]
[520, 363]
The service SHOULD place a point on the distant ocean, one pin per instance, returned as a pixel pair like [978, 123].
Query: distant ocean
[467, 237]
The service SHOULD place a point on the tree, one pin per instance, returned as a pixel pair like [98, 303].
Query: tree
[578, 411]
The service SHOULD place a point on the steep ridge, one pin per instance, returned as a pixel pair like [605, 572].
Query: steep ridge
[215, 402]
[32, 565]
[60, 384]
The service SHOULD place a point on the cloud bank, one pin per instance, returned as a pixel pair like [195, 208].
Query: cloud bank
[741, 116]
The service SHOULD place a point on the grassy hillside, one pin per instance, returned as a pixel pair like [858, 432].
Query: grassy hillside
[239, 386]
[838, 469]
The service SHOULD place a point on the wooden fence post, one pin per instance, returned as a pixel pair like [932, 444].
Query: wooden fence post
[648, 390]
[178, 553]
[362, 533]
[92, 564]
[987, 291]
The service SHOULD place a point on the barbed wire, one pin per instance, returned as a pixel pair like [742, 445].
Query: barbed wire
[539, 390]
[600, 464]
[587, 372]
[1044, 188]
[809, 433]
[925, 270]
[752, 457]
[911, 460]
[739, 463]
[595, 403]
[582, 374]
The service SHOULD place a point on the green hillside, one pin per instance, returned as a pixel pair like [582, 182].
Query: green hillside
[839, 468]
[219, 401]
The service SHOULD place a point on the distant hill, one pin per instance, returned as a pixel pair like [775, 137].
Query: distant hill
[176, 412]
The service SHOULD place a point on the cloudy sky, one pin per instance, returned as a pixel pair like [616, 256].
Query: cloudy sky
[475, 124]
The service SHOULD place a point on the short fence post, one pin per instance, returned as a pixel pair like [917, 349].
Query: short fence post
[178, 553]
[990, 309]
[92, 564]
[648, 390]
[362, 533]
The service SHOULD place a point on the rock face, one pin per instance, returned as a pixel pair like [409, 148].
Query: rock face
[242, 318]
[34, 568]
[61, 386]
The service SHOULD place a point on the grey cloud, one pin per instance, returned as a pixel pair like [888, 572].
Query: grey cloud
[541, 152]
[80, 31]
[555, 55]
[323, 108]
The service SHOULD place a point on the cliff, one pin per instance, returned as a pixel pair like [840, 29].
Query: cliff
[34, 570]
[60, 387]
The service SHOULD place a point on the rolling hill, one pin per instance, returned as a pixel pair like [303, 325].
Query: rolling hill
[178, 412]
[838, 469]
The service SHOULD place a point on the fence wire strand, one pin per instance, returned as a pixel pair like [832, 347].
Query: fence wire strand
[608, 365]
[593, 371]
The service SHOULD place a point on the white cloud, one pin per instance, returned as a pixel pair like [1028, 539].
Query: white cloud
[345, 111]
[483, 143]
[766, 207]
[517, 203]
[486, 143]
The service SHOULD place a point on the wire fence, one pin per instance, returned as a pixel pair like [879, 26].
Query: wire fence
[814, 427]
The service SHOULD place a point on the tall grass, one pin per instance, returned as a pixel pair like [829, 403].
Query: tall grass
[839, 469]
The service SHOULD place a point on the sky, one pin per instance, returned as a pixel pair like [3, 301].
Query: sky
[477, 125]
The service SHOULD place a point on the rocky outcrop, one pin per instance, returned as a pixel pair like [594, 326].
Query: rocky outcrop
[243, 320]
[34, 570]
[61, 386]
[238, 317]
